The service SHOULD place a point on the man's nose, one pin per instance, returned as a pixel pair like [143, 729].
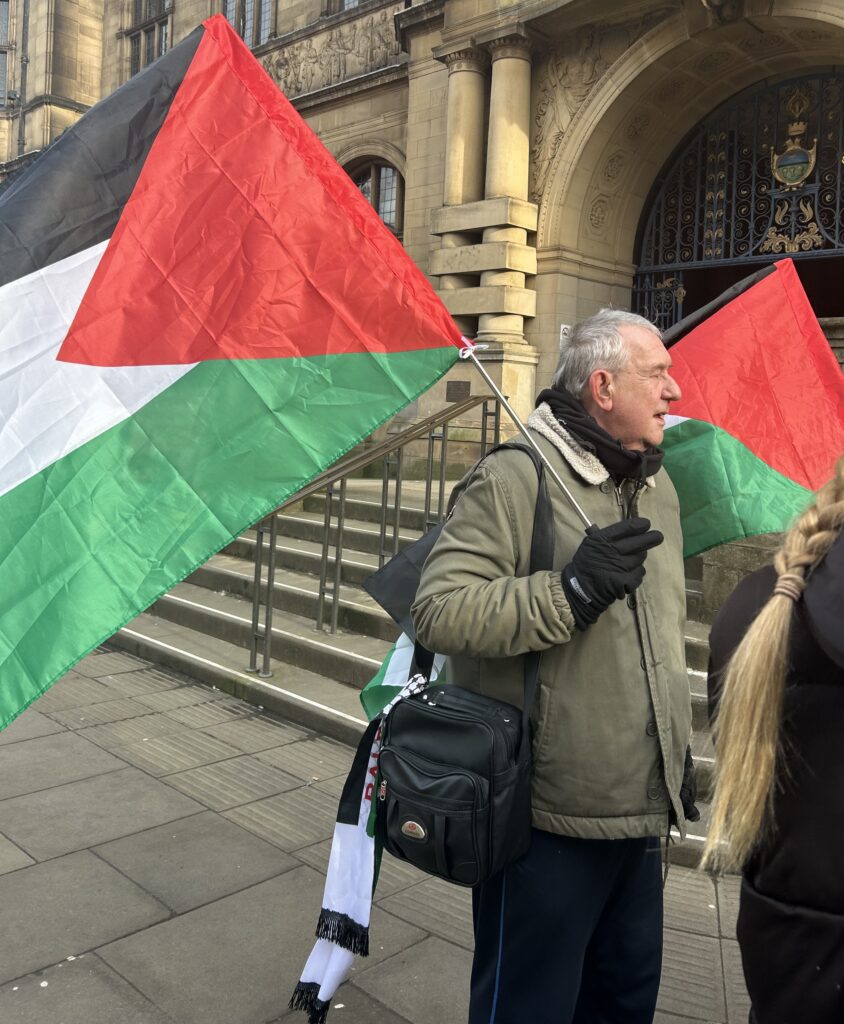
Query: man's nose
[672, 392]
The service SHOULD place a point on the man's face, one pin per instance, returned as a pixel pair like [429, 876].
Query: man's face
[637, 397]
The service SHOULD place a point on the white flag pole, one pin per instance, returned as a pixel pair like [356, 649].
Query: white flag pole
[468, 352]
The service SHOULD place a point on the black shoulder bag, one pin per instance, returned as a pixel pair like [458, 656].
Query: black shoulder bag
[455, 766]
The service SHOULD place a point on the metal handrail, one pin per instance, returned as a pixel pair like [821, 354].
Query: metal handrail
[435, 429]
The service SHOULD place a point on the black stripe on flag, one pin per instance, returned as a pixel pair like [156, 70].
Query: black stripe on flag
[72, 195]
[688, 323]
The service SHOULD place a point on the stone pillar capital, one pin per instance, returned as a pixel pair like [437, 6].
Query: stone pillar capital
[513, 46]
[468, 59]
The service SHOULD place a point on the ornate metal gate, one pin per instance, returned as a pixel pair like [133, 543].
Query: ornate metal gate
[761, 177]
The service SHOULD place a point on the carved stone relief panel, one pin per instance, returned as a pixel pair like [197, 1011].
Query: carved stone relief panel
[565, 77]
[349, 49]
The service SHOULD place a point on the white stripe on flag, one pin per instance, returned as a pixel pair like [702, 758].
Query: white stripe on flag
[47, 408]
[674, 421]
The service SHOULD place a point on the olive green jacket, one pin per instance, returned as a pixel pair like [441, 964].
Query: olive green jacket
[613, 714]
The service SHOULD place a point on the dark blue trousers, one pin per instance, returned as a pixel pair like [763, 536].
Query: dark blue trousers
[570, 934]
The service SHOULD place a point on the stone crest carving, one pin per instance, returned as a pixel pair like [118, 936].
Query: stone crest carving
[614, 166]
[567, 75]
[599, 213]
[349, 49]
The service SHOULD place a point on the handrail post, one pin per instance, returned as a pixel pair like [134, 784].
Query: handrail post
[323, 567]
[397, 502]
[266, 672]
[338, 555]
[256, 596]
[443, 451]
[385, 493]
[429, 476]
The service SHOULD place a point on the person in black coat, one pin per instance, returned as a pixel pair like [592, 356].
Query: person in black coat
[776, 682]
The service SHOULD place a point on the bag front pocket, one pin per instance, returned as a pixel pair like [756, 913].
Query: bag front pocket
[434, 816]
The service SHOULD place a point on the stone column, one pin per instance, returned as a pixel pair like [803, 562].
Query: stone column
[464, 147]
[464, 153]
[507, 170]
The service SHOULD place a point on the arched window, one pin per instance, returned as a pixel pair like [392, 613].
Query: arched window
[758, 179]
[383, 187]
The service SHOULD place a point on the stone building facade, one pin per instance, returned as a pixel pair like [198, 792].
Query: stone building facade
[539, 159]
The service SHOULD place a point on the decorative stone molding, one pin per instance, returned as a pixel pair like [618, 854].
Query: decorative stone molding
[636, 126]
[711, 63]
[469, 59]
[614, 168]
[600, 212]
[568, 74]
[349, 49]
[514, 46]
[762, 44]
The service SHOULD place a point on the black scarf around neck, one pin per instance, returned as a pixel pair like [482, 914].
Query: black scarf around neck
[620, 462]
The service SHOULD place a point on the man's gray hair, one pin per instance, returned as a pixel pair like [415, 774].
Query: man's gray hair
[596, 344]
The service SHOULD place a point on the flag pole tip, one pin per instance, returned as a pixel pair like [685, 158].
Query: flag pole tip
[470, 346]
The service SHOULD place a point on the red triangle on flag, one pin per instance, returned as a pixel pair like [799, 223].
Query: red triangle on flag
[244, 239]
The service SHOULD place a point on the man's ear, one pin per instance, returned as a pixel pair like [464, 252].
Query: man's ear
[602, 389]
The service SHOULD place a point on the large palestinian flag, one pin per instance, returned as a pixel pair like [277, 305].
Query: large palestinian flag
[761, 421]
[198, 313]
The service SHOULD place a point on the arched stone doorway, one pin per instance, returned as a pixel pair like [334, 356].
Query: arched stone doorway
[613, 145]
[758, 179]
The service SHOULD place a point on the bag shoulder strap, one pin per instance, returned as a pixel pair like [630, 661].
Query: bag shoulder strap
[541, 557]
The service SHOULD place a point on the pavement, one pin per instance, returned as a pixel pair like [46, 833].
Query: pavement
[162, 855]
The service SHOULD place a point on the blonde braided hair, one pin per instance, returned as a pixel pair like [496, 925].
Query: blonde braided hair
[747, 730]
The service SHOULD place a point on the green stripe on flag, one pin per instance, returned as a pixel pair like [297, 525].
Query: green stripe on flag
[726, 492]
[94, 539]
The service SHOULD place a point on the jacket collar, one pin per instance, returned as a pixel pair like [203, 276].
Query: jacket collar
[587, 466]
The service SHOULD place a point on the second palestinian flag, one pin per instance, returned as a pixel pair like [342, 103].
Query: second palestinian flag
[761, 421]
[198, 313]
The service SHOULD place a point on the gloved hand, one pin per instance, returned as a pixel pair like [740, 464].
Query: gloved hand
[608, 564]
[688, 789]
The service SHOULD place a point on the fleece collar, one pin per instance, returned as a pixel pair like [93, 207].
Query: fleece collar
[587, 466]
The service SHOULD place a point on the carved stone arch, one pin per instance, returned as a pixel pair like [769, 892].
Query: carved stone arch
[643, 106]
[372, 149]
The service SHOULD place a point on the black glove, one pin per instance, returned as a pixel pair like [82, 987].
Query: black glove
[688, 789]
[608, 564]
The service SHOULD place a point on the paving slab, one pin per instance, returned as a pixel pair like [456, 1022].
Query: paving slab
[29, 726]
[253, 734]
[100, 713]
[690, 902]
[212, 712]
[692, 978]
[145, 680]
[82, 814]
[728, 889]
[164, 755]
[181, 697]
[71, 691]
[301, 817]
[425, 983]
[50, 761]
[226, 784]
[79, 990]
[116, 735]
[195, 860]
[236, 961]
[11, 858]
[108, 663]
[312, 759]
[436, 906]
[66, 907]
[738, 1001]
[351, 1005]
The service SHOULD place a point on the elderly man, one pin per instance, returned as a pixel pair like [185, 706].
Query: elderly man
[572, 932]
